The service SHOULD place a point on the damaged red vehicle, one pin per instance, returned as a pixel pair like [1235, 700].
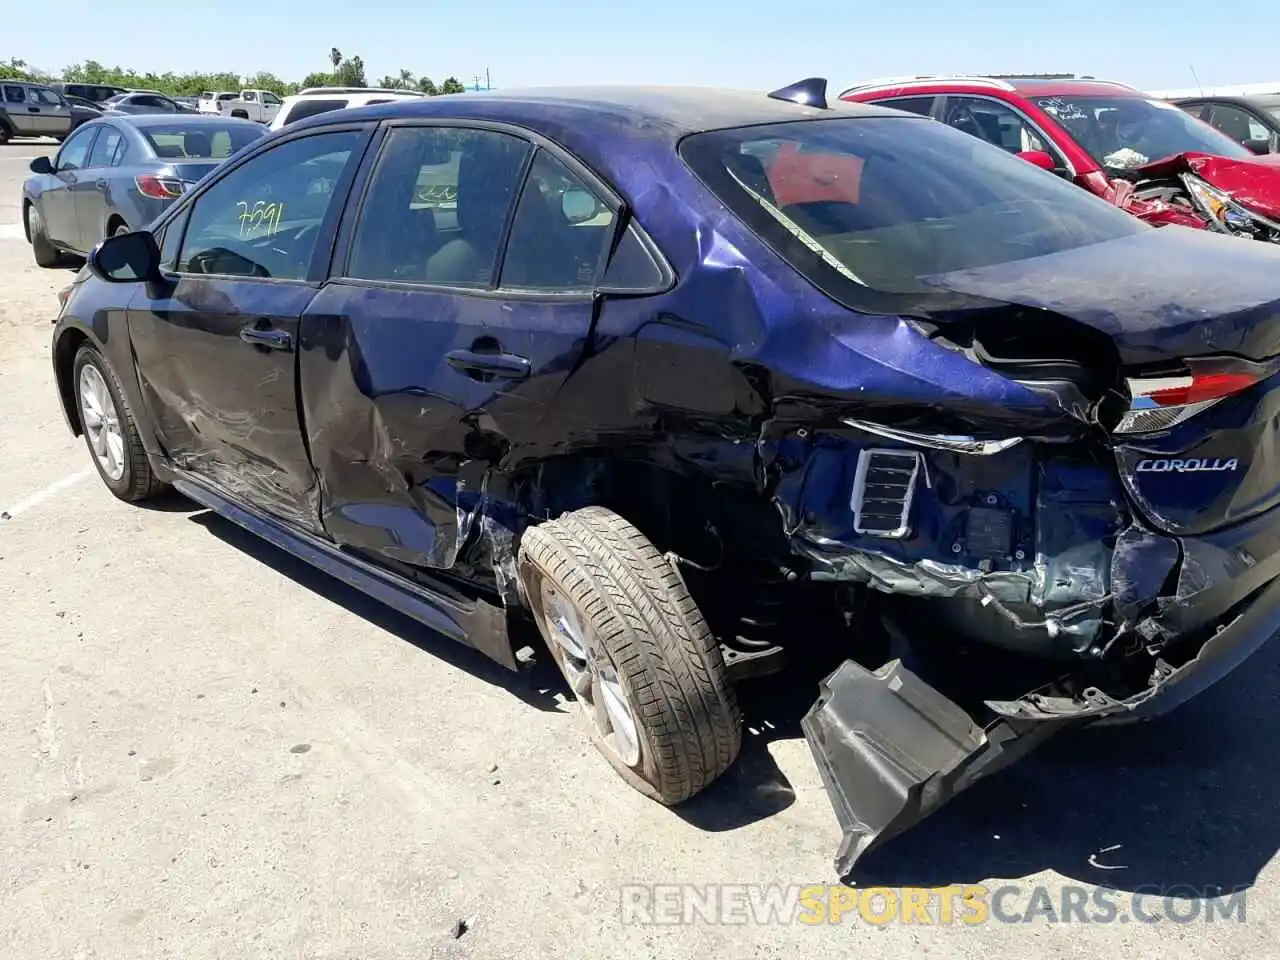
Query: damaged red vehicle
[1142, 154]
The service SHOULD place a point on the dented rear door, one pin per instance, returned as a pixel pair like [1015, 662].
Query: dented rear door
[429, 359]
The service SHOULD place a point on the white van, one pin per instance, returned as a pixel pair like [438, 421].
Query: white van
[314, 100]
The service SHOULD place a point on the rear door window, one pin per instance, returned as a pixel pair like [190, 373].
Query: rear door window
[561, 232]
[105, 147]
[14, 94]
[437, 206]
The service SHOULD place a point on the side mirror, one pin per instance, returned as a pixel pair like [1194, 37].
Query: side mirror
[1259, 147]
[1039, 158]
[579, 206]
[126, 258]
[42, 165]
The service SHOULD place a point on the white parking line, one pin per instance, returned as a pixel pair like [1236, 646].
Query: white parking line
[11, 231]
[40, 496]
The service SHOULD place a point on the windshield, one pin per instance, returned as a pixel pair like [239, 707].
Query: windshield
[1122, 133]
[118, 98]
[885, 202]
[208, 141]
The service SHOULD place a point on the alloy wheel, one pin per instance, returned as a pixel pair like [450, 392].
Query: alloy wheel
[101, 422]
[591, 675]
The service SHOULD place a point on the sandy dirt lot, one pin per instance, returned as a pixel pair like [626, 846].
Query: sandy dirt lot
[211, 751]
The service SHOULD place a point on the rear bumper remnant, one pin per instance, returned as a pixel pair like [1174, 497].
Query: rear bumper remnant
[891, 749]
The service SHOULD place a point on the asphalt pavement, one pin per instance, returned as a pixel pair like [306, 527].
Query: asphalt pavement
[213, 751]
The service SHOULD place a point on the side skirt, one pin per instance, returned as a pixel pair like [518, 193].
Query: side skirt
[475, 623]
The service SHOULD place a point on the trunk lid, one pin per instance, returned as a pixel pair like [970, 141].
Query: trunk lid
[192, 171]
[1161, 294]
[1253, 183]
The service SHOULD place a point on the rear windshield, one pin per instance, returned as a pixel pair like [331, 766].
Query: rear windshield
[206, 142]
[880, 203]
[310, 108]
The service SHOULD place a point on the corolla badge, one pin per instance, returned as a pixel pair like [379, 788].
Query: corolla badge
[1189, 465]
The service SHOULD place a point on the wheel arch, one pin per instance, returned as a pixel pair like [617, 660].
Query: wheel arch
[65, 347]
[114, 222]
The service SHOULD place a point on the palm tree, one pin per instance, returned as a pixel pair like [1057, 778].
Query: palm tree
[335, 57]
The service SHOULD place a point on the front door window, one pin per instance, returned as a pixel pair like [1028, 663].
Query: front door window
[263, 219]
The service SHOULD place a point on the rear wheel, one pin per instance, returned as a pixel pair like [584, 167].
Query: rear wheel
[110, 432]
[46, 254]
[5, 133]
[635, 650]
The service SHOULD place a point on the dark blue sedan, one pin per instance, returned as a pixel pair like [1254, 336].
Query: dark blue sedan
[693, 380]
[119, 172]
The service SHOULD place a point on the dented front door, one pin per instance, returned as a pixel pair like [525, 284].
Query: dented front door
[216, 342]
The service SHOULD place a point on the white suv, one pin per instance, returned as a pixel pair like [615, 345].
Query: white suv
[314, 100]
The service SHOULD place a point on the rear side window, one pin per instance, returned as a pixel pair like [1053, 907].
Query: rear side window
[884, 203]
[311, 108]
[13, 94]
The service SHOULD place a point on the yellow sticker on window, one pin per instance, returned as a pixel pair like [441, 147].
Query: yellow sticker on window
[259, 220]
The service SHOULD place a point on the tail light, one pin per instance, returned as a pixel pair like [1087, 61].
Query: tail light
[1161, 402]
[160, 188]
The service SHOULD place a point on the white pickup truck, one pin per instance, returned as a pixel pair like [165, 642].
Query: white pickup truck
[260, 105]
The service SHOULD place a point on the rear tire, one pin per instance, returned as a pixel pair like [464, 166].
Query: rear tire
[110, 432]
[5, 134]
[640, 640]
[46, 254]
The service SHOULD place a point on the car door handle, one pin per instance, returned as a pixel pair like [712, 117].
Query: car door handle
[100, 184]
[505, 366]
[33, 109]
[267, 337]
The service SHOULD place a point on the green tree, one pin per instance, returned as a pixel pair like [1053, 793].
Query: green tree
[350, 73]
[451, 85]
[427, 87]
[15, 69]
[405, 81]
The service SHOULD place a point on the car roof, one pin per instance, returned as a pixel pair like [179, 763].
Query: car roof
[1261, 100]
[1026, 86]
[666, 113]
[193, 120]
[1036, 87]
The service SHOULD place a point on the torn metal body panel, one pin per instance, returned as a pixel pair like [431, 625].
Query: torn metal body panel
[405, 420]
[234, 423]
[891, 749]
[1238, 197]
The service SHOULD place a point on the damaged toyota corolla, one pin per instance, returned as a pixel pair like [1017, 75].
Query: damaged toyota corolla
[693, 379]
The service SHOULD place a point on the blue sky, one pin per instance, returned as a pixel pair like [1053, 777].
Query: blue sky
[743, 43]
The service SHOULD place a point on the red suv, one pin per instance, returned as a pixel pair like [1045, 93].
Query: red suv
[1142, 154]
